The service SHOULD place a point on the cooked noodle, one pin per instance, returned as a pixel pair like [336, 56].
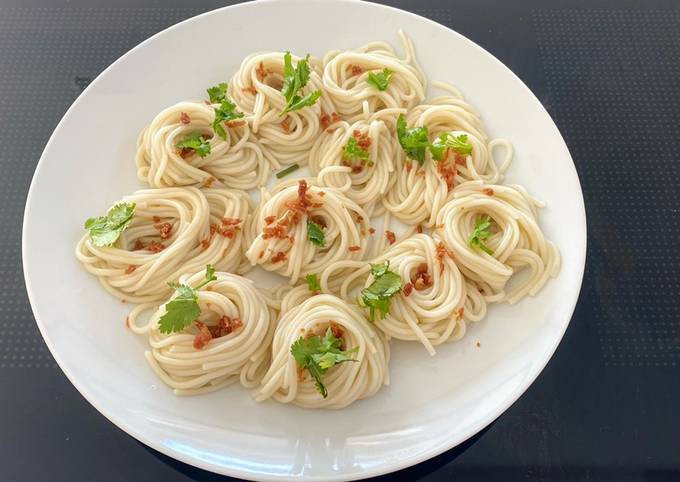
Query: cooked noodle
[364, 182]
[377, 152]
[140, 274]
[432, 312]
[256, 88]
[345, 74]
[346, 382]
[237, 162]
[241, 355]
[518, 242]
[420, 193]
[287, 250]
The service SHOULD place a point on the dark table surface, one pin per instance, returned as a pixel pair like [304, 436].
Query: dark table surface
[606, 406]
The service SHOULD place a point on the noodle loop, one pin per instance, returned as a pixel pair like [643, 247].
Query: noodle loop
[346, 382]
[229, 343]
[145, 259]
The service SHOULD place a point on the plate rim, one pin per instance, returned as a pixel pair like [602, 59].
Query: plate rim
[377, 470]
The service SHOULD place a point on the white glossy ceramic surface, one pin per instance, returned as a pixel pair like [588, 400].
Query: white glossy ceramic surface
[433, 403]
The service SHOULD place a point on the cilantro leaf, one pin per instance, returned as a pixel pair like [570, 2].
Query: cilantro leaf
[313, 283]
[298, 102]
[438, 147]
[226, 112]
[445, 141]
[218, 93]
[290, 77]
[179, 313]
[386, 284]
[304, 348]
[105, 230]
[480, 233]
[329, 359]
[294, 79]
[459, 143]
[378, 270]
[318, 354]
[315, 234]
[414, 141]
[353, 151]
[182, 310]
[303, 71]
[183, 291]
[316, 371]
[380, 80]
[377, 295]
[197, 142]
[329, 342]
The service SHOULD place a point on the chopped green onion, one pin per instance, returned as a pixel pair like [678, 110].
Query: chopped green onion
[286, 171]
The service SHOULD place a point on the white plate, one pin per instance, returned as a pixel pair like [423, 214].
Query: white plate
[433, 403]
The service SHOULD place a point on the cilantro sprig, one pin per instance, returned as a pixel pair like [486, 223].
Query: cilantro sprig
[414, 141]
[224, 113]
[445, 141]
[105, 230]
[318, 355]
[377, 295]
[459, 143]
[197, 142]
[380, 80]
[480, 234]
[294, 79]
[313, 283]
[182, 310]
[354, 151]
[315, 234]
[438, 147]
[218, 93]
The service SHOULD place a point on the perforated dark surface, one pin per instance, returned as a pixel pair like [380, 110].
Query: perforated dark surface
[606, 406]
[613, 75]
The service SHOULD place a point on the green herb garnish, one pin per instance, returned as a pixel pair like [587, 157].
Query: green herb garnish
[105, 230]
[218, 93]
[380, 80]
[353, 151]
[385, 285]
[318, 354]
[315, 234]
[225, 112]
[313, 283]
[438, 147]
[182, 310]
[414, 141]
[286, 171]
[445, 141]
[481, 233]
[197, 142]
[459, 143]
[294, 79]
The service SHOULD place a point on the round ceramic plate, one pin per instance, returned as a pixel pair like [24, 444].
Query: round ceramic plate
[433, 403]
